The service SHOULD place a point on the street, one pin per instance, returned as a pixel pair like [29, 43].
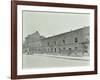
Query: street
[41, 61]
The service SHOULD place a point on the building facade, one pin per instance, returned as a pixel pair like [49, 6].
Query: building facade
[32, 43]
[73, 43]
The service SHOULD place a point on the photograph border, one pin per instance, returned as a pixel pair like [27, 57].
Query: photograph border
[14, 38]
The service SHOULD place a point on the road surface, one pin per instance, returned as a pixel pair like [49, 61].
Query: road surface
[41, 61]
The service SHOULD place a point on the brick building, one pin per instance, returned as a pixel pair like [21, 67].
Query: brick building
[73, 43]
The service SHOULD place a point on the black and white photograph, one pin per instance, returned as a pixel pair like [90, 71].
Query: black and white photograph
[55, 39]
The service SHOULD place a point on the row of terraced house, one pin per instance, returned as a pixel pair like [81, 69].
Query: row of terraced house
[72, 43]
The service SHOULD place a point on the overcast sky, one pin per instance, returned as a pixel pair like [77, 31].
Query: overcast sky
[51, 23]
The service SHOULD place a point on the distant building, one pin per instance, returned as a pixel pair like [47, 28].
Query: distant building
[32, 43]
[73, 43]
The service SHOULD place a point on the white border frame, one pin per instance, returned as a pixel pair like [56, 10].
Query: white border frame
[21, 71]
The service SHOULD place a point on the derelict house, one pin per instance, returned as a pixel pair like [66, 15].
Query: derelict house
[73, 43]
[32, 43]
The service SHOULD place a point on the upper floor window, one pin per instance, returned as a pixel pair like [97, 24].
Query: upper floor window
[55, 42]
[64, 48]
[69, 49]
[63, 41]
[48, 43]
[76, 39]
[75, 48]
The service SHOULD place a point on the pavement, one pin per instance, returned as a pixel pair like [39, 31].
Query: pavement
[48, 61]
[85, 58]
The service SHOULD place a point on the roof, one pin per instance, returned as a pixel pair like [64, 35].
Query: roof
[65, 33]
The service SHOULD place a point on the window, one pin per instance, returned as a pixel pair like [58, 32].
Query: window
[55, 42]
[69, 49]
[48, 49]
[75, 48]
[55, 49]
[59, 49]
[76, 40]
[63, 48]
[63, 41]
[48, 43]
[51, 49]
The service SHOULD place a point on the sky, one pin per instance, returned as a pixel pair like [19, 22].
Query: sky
[52, 23]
